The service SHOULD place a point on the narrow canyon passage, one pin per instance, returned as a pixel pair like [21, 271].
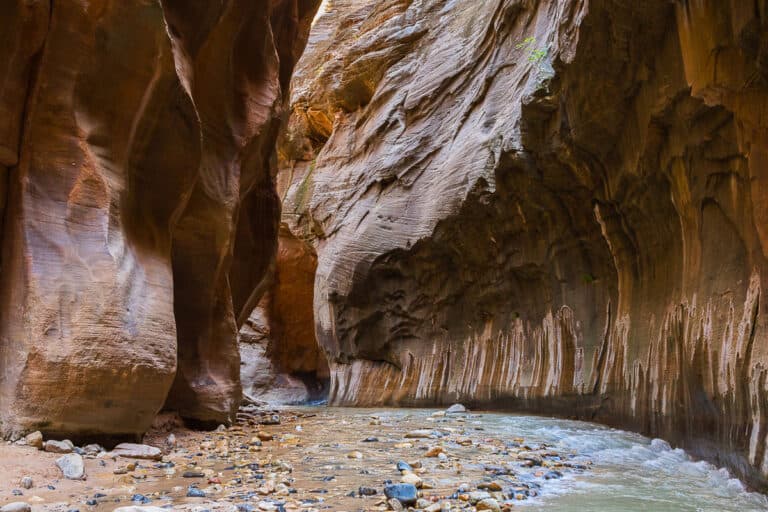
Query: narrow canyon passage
[217, 216]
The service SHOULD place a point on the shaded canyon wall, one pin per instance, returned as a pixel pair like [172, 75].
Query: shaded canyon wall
[140, 216]
[546, 206]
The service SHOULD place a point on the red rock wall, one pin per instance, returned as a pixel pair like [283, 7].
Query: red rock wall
[544, 206]
[138, 137]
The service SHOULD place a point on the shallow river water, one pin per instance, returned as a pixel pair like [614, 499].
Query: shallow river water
[320, 457]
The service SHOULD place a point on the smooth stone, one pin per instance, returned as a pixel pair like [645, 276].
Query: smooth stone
[34, 439]
[16, 506]
[354, 455]
[477, 496]
[194, 492]
[434, 451]
[395, 505]
[419, 434]
[366, 491]
[53, 446]
[488, 504]
[456, 409]
[411, 478]
[27, 482]
[404, 466]
[422, 503]
[489, 486]
[93, 449]
[405, 493]
[72, 466]
[137, 451]
[193, 474]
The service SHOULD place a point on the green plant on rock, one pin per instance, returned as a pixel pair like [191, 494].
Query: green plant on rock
[535, 55]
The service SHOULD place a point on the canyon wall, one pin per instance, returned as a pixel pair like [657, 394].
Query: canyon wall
[553, 206]
[140, 216]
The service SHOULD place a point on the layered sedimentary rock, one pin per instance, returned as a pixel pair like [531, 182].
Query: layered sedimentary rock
[138, 136]
[549, 206]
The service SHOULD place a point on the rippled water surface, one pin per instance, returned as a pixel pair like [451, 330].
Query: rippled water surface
[630, 472]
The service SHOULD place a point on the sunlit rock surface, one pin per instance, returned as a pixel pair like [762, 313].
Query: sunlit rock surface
[138, 138]
[280, 359]
[550, 206]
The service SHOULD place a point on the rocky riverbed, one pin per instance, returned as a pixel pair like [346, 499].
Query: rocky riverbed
[313, 459]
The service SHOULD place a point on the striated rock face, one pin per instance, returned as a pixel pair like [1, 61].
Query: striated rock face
[137, 136]
[548, 206]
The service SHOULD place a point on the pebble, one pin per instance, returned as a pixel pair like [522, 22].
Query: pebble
[488, 504]
[34, 439]
[404, 466]
[355, 455]
[405, 493]
[27, 482]
[194, 492]
[137, 451]
[434, 451]
[395, 505]
[412, 478]
[72, 466]
[456, 409]
[366, 491]
[419, 434]
[65, 446]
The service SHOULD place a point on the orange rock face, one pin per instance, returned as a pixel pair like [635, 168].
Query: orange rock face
[138, 137]
[542, 206]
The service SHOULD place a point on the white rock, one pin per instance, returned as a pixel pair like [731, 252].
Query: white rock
[16, 506]
[72, 466]
[456, 409]
[137, 451]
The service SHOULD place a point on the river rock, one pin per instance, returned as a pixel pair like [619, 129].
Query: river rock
[488, 504]
[412, 478]
[476, 496]
[72, 466]
[64, 446]
[456, 409]
[27, 482]
[405, 493]
[419, 434]
[404, 466]
[34, 439]
[138, 451]
[16, 506]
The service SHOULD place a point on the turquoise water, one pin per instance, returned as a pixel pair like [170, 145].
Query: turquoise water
[630, 472]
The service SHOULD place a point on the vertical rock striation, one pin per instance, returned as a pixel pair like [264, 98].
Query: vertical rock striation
[138, 137]
[550, 206]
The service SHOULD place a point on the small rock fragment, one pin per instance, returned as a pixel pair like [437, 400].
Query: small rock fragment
[26, 482]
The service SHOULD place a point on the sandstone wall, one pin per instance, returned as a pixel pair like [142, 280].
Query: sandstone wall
[136, 150]
[548, 206]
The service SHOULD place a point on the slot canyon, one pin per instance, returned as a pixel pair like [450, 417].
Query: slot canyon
[329, 218]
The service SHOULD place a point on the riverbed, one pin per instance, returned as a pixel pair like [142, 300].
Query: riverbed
[341, 459]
